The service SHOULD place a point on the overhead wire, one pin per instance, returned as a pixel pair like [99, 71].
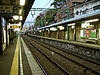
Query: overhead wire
[43, 10]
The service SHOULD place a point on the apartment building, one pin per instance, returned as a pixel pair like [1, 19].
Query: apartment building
[68, 8]
[87, 7]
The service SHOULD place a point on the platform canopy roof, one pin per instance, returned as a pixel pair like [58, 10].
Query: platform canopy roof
[9, 8]
[93, 15]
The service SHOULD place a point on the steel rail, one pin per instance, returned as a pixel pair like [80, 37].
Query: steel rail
[38, 63]
[87, 68]
[49, 58]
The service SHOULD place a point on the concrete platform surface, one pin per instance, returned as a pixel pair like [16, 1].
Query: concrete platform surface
[18, 60]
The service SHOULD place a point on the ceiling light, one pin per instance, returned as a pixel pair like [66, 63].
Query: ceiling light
[46, 28]
[22, 2]
[71, 24]
[61, 27]
[40, 30]
[92, 20]
[12, 19]
[15, 17]
[53, 29]
[20, 18]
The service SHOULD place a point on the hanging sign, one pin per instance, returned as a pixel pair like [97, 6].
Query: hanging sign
[9, 10]
[14, 26]
[6, 10]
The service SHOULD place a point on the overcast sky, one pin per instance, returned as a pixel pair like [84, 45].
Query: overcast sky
[38, 4]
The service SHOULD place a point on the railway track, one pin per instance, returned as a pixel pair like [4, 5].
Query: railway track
[86, 67]
[56, 69]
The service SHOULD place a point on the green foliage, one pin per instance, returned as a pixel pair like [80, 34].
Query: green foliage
[50, 16]
[40, 22]
[58, 3]
[44, 20]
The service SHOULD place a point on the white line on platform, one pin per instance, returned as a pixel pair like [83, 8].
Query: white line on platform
[35, 69]
[21, 65]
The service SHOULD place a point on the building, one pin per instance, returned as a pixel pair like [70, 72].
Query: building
[68, 9]
[87, 7]
[83, 28]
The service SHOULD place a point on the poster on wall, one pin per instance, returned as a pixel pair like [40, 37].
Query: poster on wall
[89, 33]
[84, 34]
[92, 33]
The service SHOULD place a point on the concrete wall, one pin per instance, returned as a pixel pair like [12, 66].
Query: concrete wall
[88, 50]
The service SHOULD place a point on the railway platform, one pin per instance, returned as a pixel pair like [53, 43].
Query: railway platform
[18, 60]
[27, 55]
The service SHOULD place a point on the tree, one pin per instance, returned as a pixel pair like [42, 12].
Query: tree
[37, 21]
[58, 3]
[50, 16]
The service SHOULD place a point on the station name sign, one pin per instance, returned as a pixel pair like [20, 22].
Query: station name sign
[14, 26]
[6, 9]
[9, 10]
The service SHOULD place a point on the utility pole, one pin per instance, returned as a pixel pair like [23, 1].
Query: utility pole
[67, 11]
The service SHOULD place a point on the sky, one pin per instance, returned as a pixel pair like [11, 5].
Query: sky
[37, 4]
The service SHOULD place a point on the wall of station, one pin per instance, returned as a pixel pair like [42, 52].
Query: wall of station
[90, 34]
[61, 35]
[6, 34]
[71, 33]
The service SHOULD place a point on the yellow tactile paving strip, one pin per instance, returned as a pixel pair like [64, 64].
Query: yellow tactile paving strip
[14, 67]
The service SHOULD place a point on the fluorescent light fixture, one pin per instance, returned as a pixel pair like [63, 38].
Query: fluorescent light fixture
[43, 29]
[46, 28]
[15, 17]
[61, 27]
[20, 18]
[84, 25]
[53, 29]
[12, 19]
[71, 24]
[40, 30]
[22, 2]
[92, 20]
